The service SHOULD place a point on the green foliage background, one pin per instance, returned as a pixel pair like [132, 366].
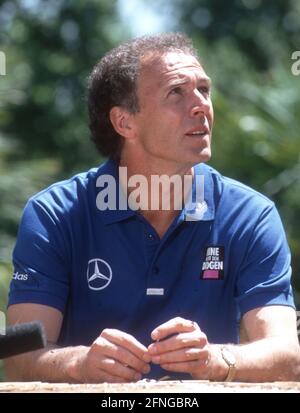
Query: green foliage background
[246, 47]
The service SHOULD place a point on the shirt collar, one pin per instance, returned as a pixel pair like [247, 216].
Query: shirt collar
[199, 207]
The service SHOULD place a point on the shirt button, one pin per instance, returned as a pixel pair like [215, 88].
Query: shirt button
[150, 236]
[155, 270]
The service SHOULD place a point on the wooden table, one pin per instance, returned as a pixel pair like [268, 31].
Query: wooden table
[152, 386]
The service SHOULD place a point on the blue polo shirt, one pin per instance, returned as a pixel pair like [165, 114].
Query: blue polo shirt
[110, 269]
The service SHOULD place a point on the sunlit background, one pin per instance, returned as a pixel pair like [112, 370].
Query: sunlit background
[51, 46]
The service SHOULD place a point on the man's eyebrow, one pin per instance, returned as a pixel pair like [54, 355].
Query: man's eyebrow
[205, 79]
[177, 82]
[181, 82]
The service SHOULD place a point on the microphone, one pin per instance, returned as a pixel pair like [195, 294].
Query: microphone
[22, 338]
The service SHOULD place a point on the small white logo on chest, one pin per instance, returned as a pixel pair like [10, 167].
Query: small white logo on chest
[99, 274]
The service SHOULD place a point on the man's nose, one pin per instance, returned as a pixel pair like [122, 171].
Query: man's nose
[201, 104]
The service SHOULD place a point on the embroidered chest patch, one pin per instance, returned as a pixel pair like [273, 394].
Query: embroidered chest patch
[213, 265]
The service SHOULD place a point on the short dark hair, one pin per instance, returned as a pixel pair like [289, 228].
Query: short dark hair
[113, 83]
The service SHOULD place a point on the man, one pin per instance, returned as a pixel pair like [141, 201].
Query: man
[127, 293]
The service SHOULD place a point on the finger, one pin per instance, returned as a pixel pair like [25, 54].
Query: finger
[121, 354]
[127, 341]
[188, 354]
[173, 326]
[113, 366]
[94, 372]
[194, 339]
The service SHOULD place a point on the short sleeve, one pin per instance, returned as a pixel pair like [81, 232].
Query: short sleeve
[40, 258]
[265, 274]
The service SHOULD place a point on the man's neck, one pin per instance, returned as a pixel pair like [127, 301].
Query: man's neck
[161, 204]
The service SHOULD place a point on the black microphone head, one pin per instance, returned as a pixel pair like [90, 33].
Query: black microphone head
[21, 338]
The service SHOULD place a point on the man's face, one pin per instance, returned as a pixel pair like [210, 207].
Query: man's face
[174, 124]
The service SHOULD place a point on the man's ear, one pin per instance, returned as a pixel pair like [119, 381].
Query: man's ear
[121, 120]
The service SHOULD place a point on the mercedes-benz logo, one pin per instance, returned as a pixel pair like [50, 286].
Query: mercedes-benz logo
[99, 274]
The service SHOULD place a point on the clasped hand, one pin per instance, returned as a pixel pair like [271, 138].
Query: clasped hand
[179, 346]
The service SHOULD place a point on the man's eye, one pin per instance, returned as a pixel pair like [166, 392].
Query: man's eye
[204, 89]
[176, 91]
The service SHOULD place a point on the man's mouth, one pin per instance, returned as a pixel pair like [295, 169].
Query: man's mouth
[198, 132]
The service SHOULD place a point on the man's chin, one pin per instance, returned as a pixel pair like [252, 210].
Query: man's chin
[204, 155]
